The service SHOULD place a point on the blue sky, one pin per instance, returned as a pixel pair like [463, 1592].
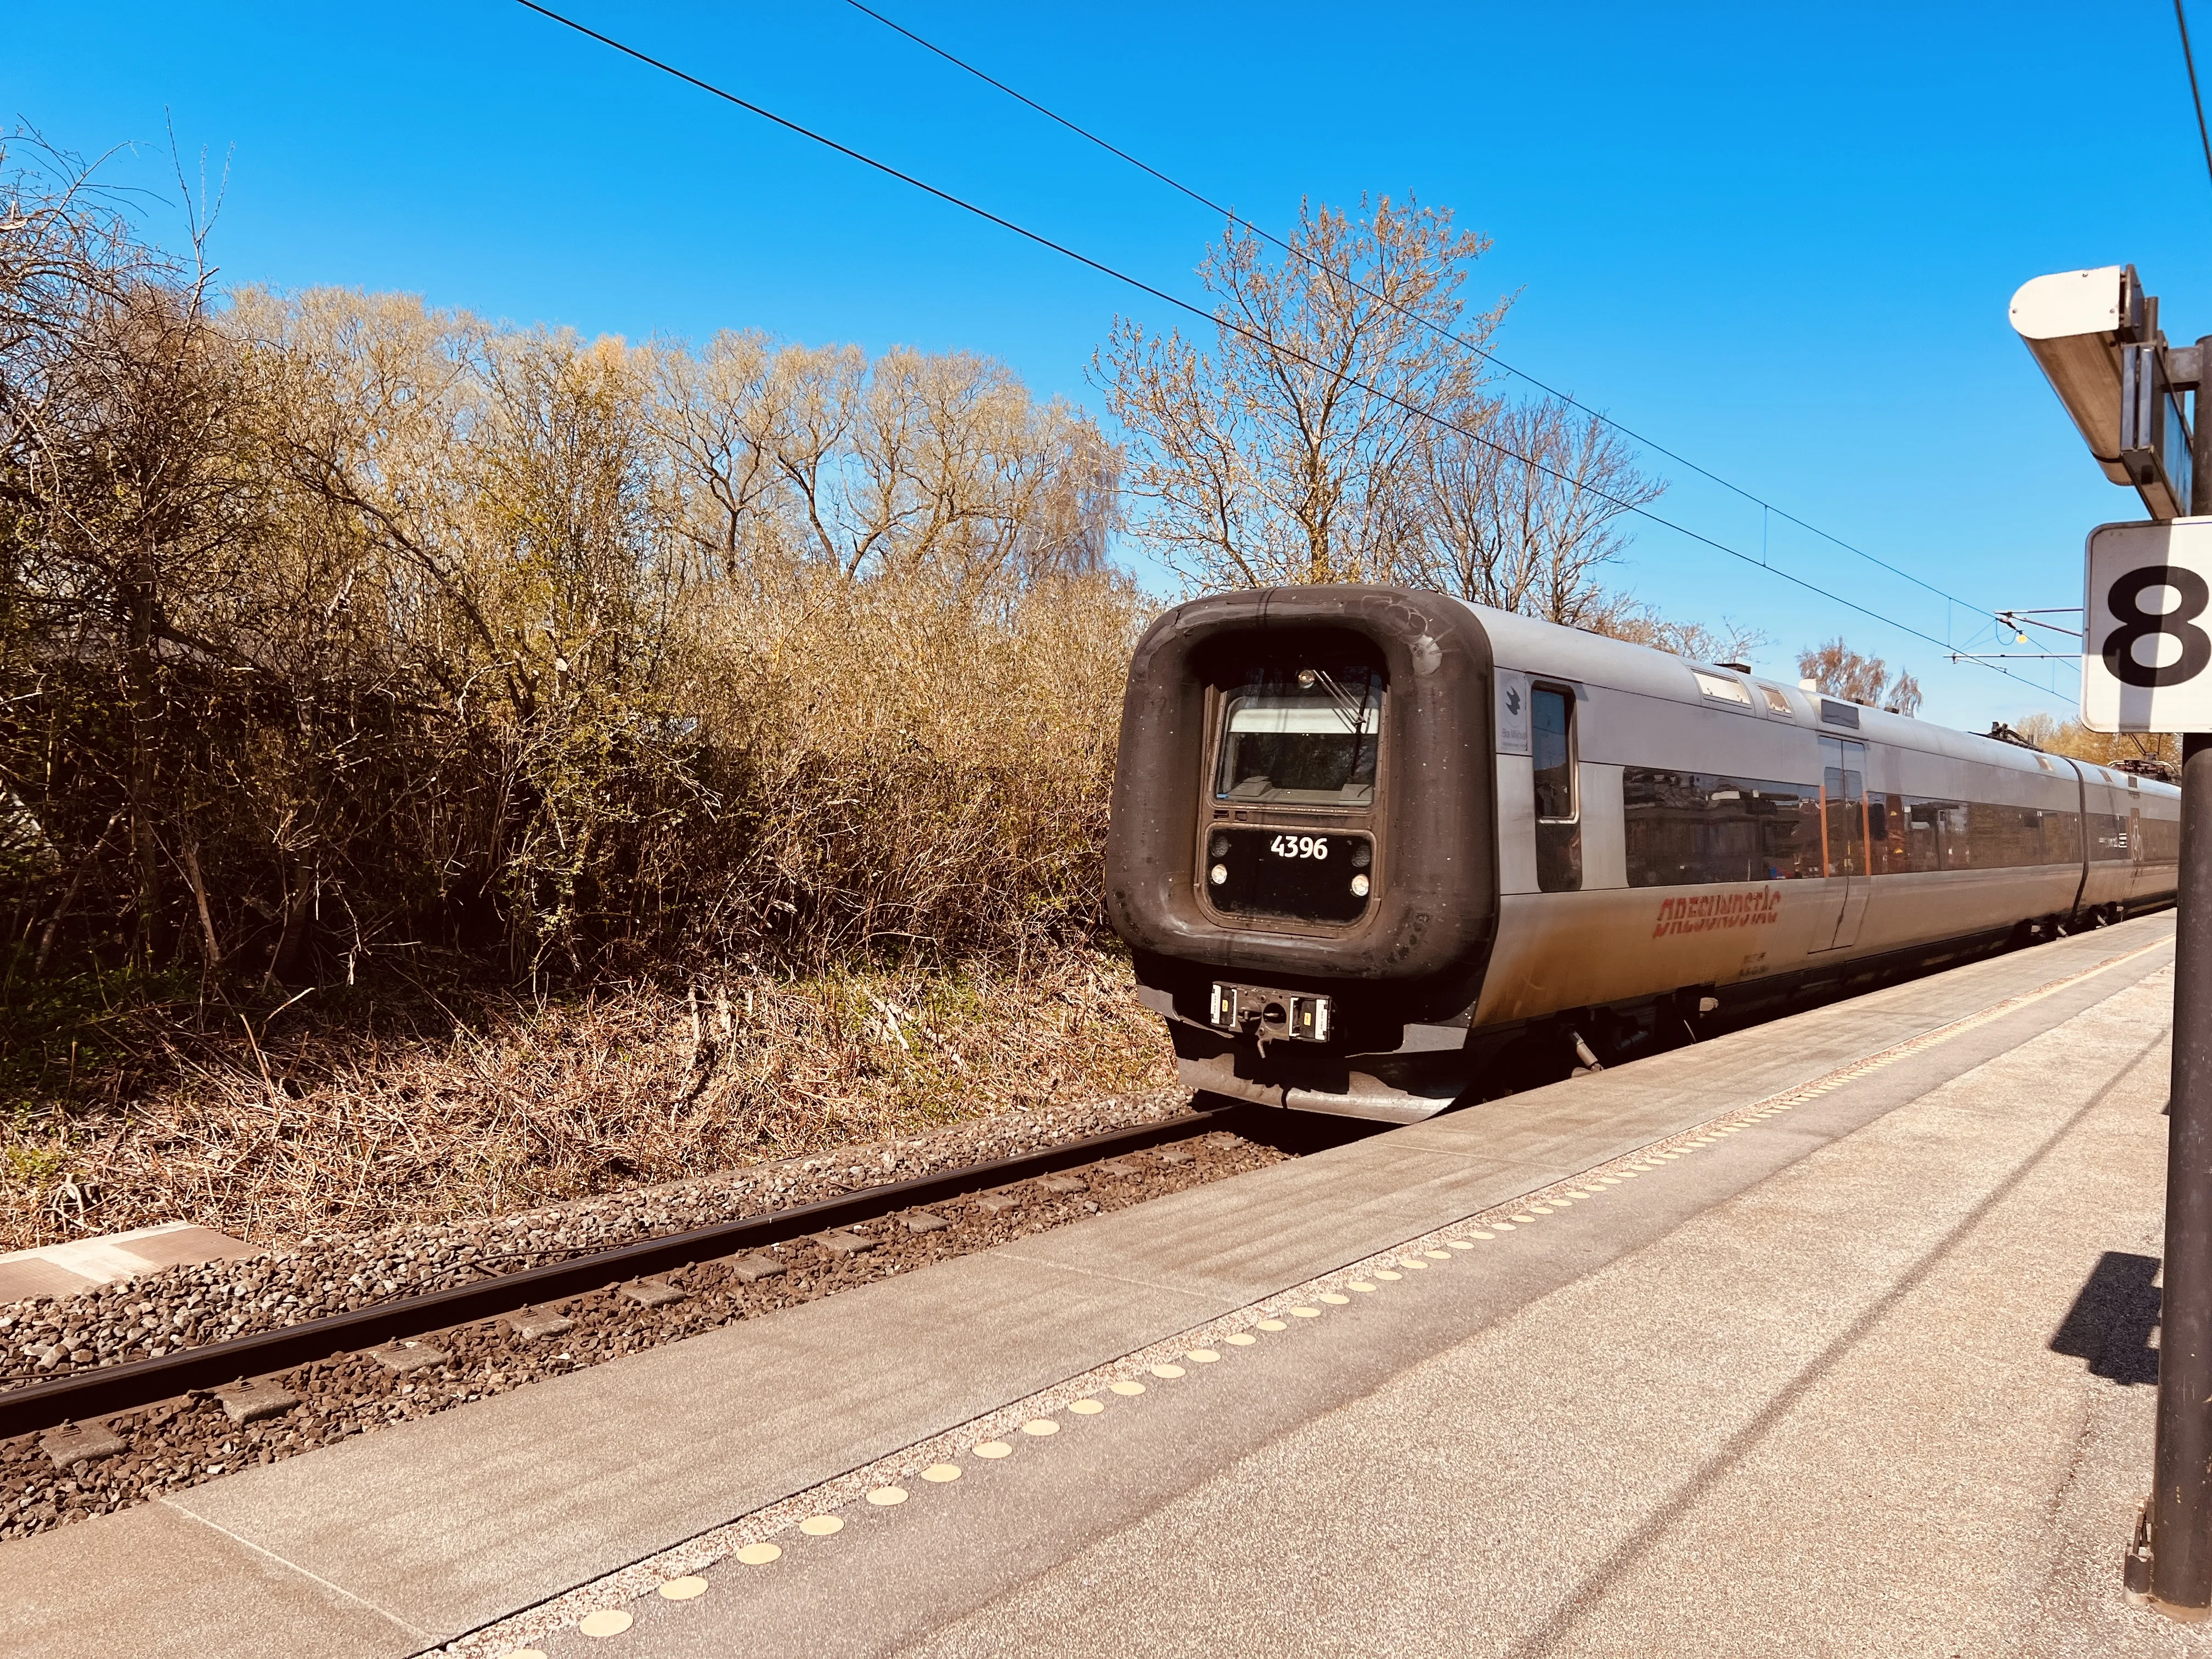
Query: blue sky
[1778, 240]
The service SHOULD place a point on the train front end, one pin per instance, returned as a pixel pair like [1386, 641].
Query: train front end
[1302, 856]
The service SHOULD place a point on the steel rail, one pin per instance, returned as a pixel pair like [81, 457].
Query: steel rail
[111, 1388]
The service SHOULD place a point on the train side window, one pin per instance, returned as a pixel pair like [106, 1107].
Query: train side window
[1776, 702]
[1552, 748]
[1690, 828]
[1558, 824]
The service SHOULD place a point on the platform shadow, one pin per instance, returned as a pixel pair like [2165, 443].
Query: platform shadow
[2112, 1319]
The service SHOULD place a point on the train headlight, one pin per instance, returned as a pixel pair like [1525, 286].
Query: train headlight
[1218, 874]
[1359, 887]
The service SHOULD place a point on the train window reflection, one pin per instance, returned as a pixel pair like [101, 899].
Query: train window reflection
[1684, 829]
[1552, 752]
[1953, 834]
[1304, 735]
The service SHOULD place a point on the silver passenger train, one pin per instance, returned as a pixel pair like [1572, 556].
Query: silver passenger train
[1376, 851]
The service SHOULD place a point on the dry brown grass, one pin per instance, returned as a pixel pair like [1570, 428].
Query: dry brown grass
[307, 1128]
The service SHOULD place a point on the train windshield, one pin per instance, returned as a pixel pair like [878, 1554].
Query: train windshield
[1305, 735]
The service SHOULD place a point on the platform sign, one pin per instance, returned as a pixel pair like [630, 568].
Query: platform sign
[2147, 659]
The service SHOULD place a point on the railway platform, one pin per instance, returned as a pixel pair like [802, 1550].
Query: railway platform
[1835, 1334]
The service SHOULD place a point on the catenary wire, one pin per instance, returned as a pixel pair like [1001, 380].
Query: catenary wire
[1181, 304]
[1483, 352]
[2196, 97]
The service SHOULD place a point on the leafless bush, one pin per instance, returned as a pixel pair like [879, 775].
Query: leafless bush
[295, 1125]
[573, 659]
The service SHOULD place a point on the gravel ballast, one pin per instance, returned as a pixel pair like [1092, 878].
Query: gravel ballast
[184, 1442]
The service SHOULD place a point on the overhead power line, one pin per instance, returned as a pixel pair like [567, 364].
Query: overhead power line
[1484, 352]
[2196, 97]
[1259, 340]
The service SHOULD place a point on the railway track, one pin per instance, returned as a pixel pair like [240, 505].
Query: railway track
[86, 1395]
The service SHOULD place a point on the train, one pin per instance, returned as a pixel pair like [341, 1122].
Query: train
[1377, 852]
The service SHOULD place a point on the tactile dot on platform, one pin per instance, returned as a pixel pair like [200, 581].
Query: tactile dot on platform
[523, 1653]
[1201, 1356]
[1170, 1372]
[1277, 1324]
[1305, 1313]
[1541, 1209]
[1127, 1386]
[1413, 1262]
[884, 1497]
[821, 1526]
[1334, 1299]
[1043, 1424]
[1437, 1255]
[937, 1474]
[1501, 1226]
[607, 1621]
[683, 1589]
[1362, 1286]
[1459, 1244]
[1630, 1175]
[1240, 1339]
[1524, 1218]
[1086, 1407]
[995, 1448]
[759, 1555]
[1608, 1181]
[1380, 1273]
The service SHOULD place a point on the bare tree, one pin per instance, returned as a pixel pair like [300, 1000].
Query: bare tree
[1621, 618]
[1840, 671]
[126, 500]
[1519, 507]
[2047, 732]
[1292, 451]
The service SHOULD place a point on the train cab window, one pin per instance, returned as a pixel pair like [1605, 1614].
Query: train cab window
[1559, 821]
[1302, 735]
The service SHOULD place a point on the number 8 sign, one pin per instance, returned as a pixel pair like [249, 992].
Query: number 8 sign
[2144, 661]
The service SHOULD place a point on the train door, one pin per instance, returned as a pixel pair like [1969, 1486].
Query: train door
[1844, 850]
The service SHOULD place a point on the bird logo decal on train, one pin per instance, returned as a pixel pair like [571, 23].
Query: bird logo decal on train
[1377, 852]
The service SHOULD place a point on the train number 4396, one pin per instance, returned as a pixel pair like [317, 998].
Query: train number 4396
[1299, 847]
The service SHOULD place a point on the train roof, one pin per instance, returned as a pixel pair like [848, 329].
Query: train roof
[1524, 644]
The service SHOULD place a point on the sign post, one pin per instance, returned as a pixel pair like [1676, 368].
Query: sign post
[2147, 666]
